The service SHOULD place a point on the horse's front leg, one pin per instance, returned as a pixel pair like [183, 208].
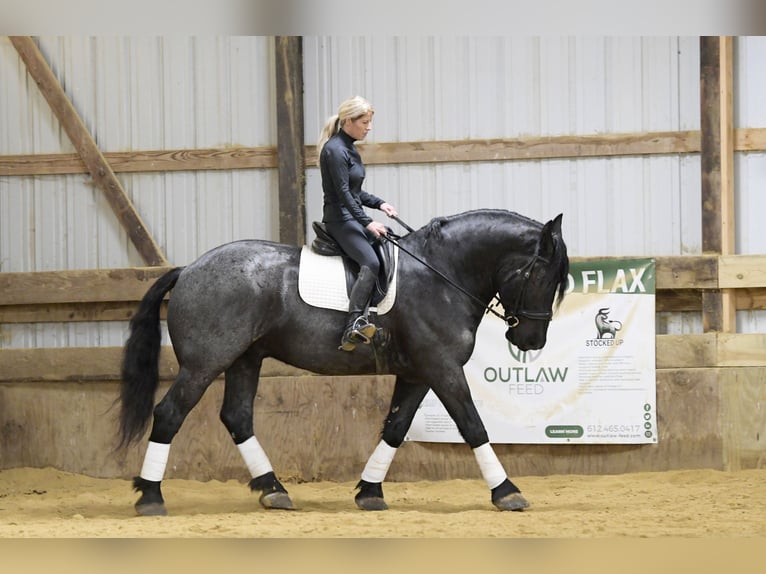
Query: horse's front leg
[404, 403]
[455, 395]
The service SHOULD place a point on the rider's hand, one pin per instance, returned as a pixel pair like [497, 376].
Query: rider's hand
[388, 209]
[377, 228]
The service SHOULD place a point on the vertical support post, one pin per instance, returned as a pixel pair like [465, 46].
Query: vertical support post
[290, 144]
[717, 163]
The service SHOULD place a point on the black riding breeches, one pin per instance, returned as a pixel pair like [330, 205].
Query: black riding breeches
[355, 242]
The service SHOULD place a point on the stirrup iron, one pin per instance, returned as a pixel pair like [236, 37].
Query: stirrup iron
[363, 330]
[360, 332]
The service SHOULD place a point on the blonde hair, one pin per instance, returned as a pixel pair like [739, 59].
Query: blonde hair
[351, 109]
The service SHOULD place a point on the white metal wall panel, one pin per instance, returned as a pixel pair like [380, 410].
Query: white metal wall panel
[134, 94]
[138, 94]
[750, 168]
[176, 92]
[482, 87]
[460, 88]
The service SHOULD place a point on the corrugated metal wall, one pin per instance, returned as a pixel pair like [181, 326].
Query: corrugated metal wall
[475, 88]
[138, 94]
[134, 94]
[174, 93]
[750, 168]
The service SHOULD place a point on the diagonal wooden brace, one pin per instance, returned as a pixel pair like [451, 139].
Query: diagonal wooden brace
[86, 147]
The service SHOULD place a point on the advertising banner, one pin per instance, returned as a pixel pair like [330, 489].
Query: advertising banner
[593, 382]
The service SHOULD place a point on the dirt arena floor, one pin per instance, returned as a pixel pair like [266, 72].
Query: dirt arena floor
[47, 503]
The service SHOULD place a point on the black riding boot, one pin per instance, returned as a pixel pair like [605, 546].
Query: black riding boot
[358, 329]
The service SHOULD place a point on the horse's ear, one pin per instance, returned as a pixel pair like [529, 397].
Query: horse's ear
[547, 243]
[557, 223]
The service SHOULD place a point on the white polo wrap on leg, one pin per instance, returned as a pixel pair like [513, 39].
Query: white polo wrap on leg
[255, 457]
[378, 464]
[155, 461]
[491, 469]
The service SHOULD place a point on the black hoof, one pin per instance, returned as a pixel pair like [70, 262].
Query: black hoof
[273, 494]
[512, 502]
[151, 502]
[276, 500]
[151, 509]
[370, 496]
[507, 496]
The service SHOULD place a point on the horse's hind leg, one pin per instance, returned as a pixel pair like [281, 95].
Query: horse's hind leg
[237, 417]
[169, 414]
[404, 403]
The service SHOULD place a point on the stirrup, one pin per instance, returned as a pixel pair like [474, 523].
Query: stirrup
[363, 330]
[347, 345]
[360, 332]
[351, 339]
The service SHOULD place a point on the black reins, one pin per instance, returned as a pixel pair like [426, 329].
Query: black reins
[511, 319]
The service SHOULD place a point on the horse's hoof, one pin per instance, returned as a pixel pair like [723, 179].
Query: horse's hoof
[151, 509]
[512, 502]
[277, 500]
[371, 503]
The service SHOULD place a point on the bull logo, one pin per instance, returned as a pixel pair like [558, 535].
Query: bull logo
[605, 325]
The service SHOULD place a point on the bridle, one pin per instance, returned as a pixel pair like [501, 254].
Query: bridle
[511, 318]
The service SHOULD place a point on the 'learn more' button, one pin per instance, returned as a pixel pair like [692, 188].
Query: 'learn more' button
[564, 431]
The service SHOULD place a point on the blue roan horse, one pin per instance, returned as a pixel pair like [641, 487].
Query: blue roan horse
[239, 304]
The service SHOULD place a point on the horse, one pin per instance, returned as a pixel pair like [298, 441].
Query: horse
[239, 303]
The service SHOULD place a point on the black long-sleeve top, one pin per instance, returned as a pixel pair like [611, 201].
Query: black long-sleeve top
[342, 177]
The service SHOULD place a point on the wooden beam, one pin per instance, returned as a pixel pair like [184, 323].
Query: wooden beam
[130, 283]
[667, 301]
[71, 312]
[717, 160]
[77, 286]
[394, 153]
[87, 148]
[97, 364]
[290, 140]
[741, 271]
[544, 147]
[686, 351]
[687, 272]
[113, 294]
[726, 103]
[61, 364]
[741, 349]
[144, 161]
[728, 223]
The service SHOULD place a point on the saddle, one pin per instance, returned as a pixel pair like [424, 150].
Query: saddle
[324, 244]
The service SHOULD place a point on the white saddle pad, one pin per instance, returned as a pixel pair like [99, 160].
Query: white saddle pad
[322, 282]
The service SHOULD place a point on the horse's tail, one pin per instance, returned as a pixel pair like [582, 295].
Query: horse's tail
[140, 362]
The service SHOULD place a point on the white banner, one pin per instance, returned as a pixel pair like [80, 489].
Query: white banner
[593, 382]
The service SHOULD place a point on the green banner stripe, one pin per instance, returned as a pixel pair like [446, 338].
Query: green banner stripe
[619, 276]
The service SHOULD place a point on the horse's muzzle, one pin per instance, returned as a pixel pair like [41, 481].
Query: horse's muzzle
[524, 343]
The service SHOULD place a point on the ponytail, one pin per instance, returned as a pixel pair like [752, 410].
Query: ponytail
[331, 126]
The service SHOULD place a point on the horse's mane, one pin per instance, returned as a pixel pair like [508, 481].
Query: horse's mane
[434, 228]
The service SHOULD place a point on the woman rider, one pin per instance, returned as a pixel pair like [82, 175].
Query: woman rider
[343, 213]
